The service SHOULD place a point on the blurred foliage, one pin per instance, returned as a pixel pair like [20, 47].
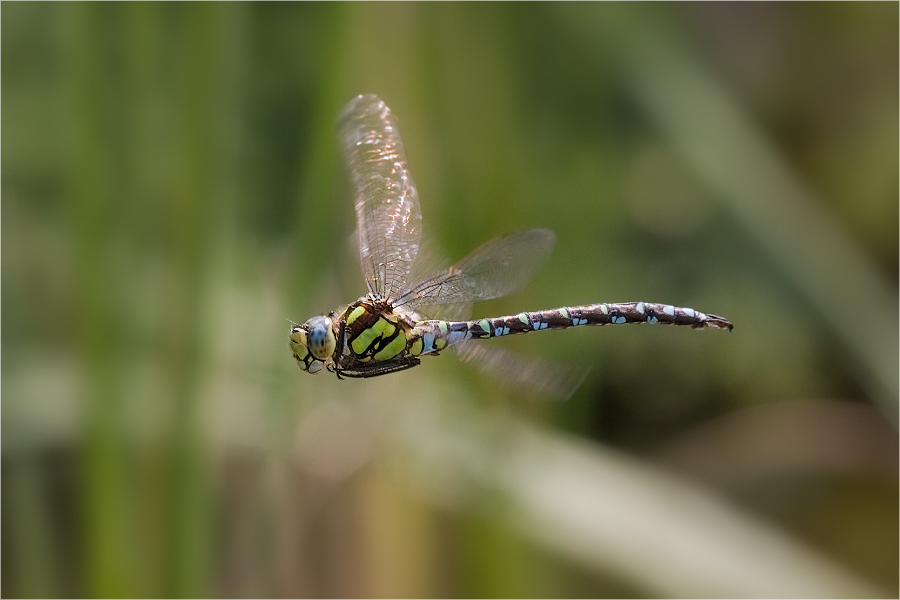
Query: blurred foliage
[172, 191]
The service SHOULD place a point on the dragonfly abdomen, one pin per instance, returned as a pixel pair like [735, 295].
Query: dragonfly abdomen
[437, 335]
[636, 312]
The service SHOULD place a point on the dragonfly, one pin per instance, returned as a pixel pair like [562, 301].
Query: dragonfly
[386, 330]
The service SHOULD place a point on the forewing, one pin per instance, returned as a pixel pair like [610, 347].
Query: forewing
[388, 218]
[499, 267]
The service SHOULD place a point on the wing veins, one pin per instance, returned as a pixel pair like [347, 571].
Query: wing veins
[497, 268]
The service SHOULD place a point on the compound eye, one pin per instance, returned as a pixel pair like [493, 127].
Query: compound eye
[320, 337]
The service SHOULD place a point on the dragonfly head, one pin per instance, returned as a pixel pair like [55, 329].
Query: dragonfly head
[313, 343]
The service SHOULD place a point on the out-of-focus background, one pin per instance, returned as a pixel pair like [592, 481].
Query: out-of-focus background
[172, 193]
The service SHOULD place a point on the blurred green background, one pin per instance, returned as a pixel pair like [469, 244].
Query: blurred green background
[172, 192]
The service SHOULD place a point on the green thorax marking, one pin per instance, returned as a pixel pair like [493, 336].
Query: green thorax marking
[356, 313]
[373, 331]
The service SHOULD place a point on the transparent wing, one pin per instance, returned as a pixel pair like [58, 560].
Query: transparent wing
[388, 218]
[496, 269]
[528, 375]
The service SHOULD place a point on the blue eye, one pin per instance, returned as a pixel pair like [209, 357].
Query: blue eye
[320, 337]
